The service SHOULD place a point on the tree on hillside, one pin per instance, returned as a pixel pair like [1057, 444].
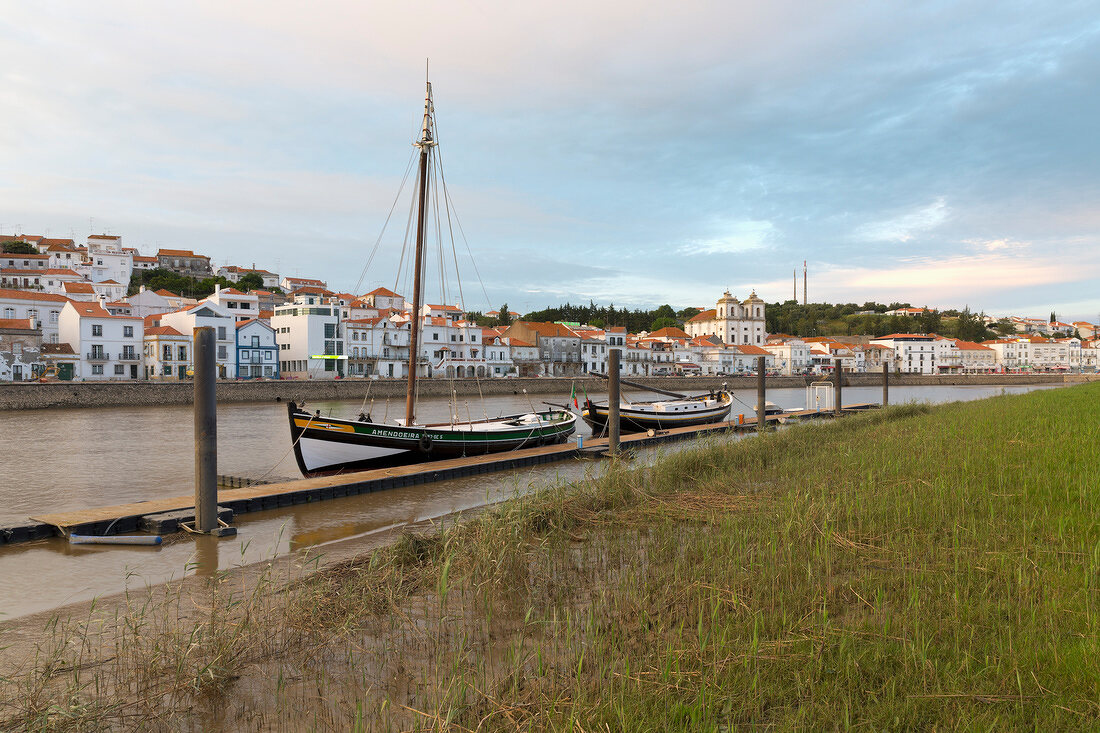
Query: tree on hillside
[688, 313]
[1053, 317]
[663, 322]
[18, 248]
[929, 321]
[969, 326]
[504, 318]
[251, 281]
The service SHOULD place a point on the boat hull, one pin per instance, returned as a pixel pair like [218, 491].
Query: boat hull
[326, 445]
[642, 417]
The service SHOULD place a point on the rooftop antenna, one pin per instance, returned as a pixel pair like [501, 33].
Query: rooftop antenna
[805, 279]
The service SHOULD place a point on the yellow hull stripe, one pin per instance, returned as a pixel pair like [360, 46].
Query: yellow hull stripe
[323, 426]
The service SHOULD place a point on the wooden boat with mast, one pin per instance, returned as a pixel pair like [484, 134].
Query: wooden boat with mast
[680, 411]
[329, 445]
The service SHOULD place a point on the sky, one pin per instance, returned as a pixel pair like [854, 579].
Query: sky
[937, 153]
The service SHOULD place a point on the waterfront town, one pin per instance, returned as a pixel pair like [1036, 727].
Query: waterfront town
[65, 315]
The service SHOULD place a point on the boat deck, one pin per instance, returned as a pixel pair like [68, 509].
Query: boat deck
[128, 517]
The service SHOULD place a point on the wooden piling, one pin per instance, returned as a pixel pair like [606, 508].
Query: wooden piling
[838, 374]
[206, 430]
[613, 402]
[885, 383]
[761, 403]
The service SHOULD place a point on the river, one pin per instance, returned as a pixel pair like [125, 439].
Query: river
[64, 459]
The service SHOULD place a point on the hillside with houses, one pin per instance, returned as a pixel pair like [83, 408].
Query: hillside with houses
[70, 311]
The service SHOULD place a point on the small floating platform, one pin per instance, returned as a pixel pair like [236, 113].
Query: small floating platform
[163, 515]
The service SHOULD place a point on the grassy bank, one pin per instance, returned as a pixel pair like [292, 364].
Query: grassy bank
[914, 568]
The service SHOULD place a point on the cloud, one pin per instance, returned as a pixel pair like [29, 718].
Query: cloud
[906, 226]
[739, 236]
[637, 140]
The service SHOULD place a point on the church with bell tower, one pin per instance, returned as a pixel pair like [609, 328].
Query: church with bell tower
[732, 320]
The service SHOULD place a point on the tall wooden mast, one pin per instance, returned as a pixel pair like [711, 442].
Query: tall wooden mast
[425, 143]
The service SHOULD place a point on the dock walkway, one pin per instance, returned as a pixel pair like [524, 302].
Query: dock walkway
[128, 517]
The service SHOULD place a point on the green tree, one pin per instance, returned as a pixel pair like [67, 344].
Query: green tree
[688, 313]
[663, 322]
[504, 318]
[251, 281]
[18, 248]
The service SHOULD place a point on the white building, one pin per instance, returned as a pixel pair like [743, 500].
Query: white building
[167, 354]
[206, 314]
[914, 353]
[733, 321]
[106, 260]
[792, 356]
[377, 346]
[43, 308]
[232, 273]
[109, 347]
[290, 284]
[257, 350]
[309, 338]
[498, 354]
[384, 298]
[242, 306]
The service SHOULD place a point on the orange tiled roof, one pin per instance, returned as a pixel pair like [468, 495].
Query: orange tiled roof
[20, 323]
[707, 315]
[162, 331]
[33, 295]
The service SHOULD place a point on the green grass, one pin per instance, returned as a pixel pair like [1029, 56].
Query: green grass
[907, 569]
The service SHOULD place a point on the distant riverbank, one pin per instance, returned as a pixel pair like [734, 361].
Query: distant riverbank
[121, 394]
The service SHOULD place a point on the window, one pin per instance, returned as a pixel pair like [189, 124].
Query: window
[183, 353]
[166, 353]
[435, 336]
[267, 356]
[222, 355]
[330, 330]
[54, 315]
[119, 369]
[166, 370]
[97, 330]
[97, 368]
[255, 340]
[127, 331]
[221, 335]
[244, 354]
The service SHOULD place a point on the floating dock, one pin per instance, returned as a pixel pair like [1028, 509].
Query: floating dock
[148, 515]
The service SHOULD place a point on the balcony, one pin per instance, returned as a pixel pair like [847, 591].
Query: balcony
[130, 356]
[98, 356]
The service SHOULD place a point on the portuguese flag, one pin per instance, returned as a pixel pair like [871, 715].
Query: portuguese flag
[573, 395]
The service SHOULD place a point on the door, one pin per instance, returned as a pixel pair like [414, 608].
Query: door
[65, 371]
[133, 371]
[181, 372]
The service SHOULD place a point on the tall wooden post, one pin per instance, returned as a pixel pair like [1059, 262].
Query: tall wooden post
[838, 374]
[206, 430]
[885, 383]
[613, 402]
[761, 413]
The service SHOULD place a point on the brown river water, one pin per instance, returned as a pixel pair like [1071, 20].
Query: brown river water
[64, 459]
